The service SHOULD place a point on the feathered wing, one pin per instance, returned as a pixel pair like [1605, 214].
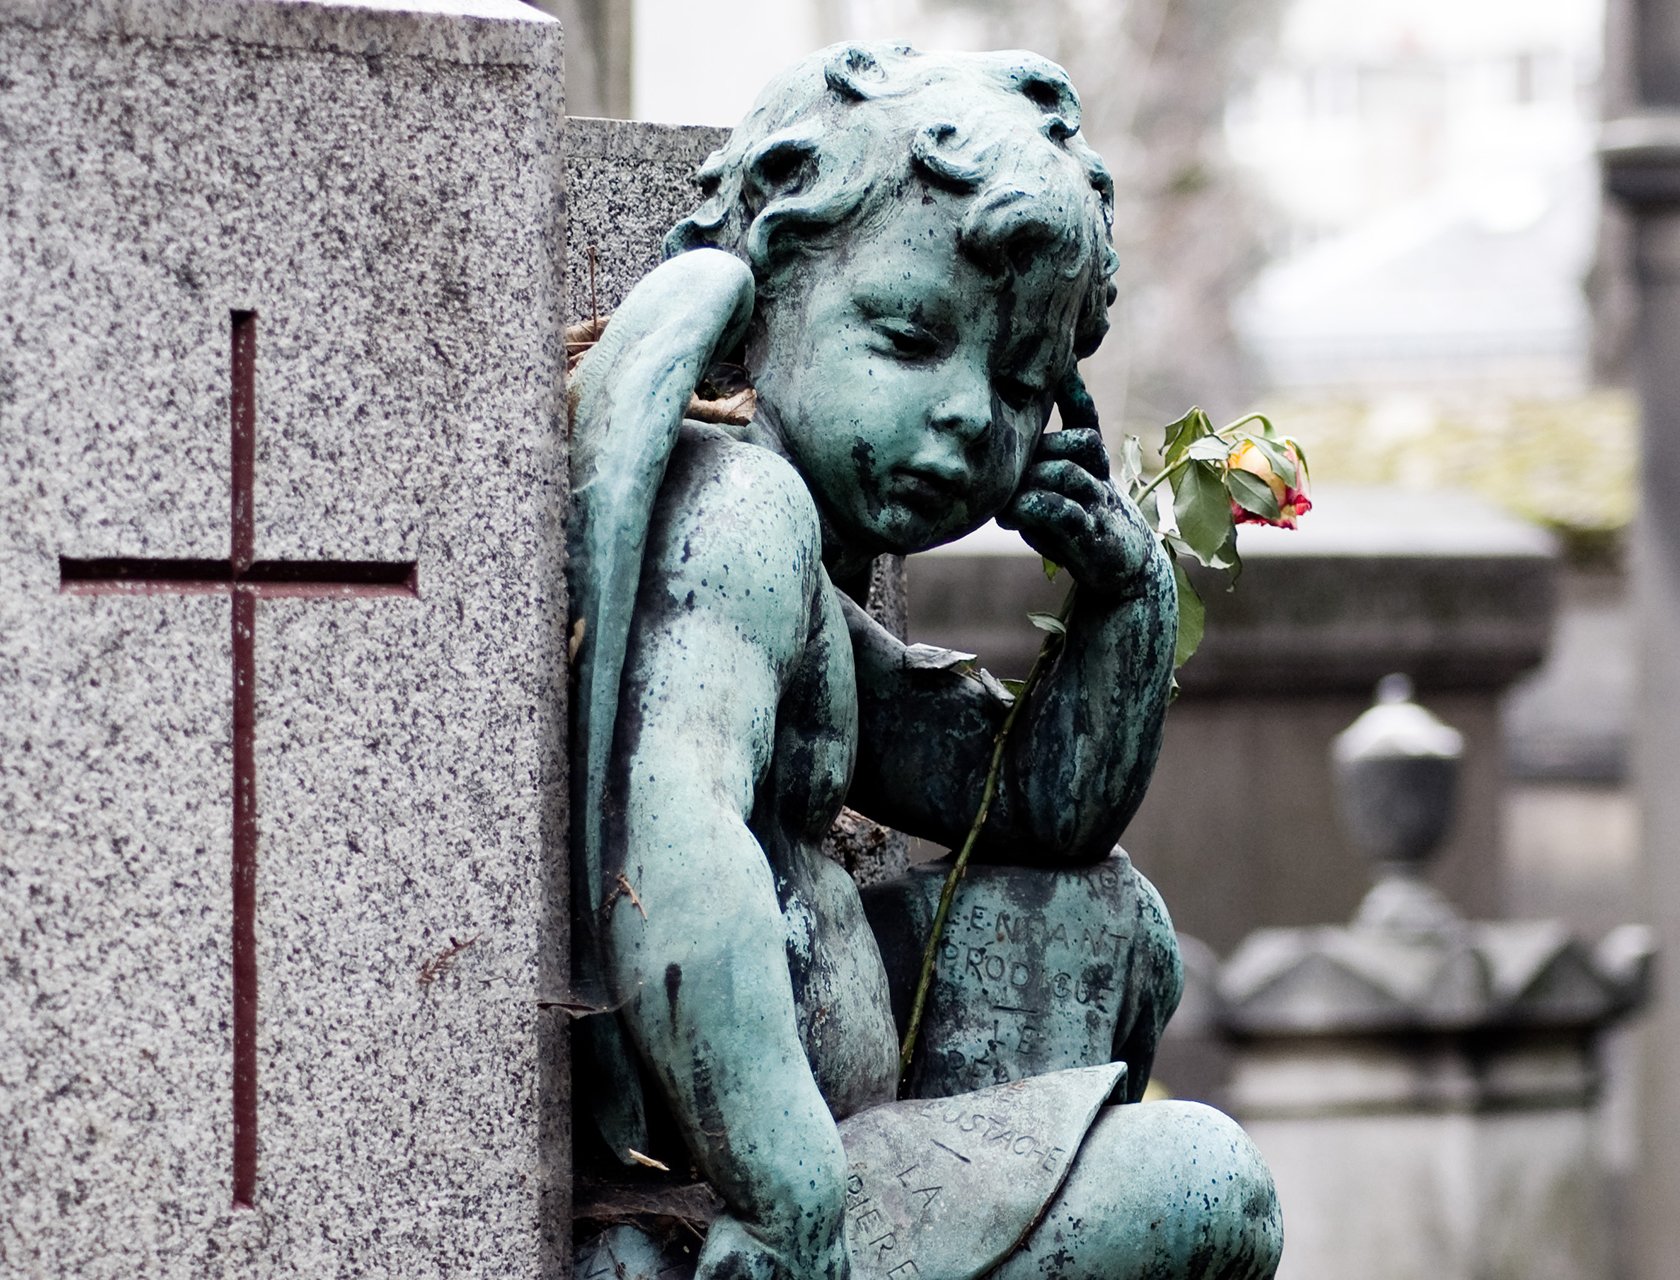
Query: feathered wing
[626, 401]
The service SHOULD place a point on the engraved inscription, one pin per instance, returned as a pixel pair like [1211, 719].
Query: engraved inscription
[991, 1129]
[874, 1241]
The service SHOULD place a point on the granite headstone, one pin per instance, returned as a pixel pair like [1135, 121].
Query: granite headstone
[281, 639]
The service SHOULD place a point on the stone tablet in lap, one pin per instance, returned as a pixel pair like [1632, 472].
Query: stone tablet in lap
[944, 1188]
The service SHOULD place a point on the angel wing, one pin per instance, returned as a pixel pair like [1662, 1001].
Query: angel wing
[625, 401]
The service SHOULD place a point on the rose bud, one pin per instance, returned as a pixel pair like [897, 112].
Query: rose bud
[1292, 499]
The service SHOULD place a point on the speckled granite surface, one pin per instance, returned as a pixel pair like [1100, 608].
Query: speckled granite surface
[627, 184]
[384, 190]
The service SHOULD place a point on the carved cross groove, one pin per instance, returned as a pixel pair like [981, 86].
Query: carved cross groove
[245, 579]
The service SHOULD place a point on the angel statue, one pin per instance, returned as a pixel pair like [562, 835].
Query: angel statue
[907, 254]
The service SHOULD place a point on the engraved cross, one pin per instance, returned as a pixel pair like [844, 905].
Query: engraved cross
[245, 579]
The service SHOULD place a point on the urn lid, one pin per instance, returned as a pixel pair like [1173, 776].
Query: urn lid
[1396, 728]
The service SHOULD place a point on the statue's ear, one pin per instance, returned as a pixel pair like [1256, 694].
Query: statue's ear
[781, 165]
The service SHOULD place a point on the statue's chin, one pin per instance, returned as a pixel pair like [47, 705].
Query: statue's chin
[946, 535]
[911, 527]
[898, 529]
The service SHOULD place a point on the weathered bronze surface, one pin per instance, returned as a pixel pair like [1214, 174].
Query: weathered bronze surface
[906, 255]
[1038, 971]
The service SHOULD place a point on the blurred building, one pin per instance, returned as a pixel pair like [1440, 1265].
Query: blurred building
[1430, 171]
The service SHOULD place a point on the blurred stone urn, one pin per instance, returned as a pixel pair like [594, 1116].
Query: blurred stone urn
[1424, 1086]
[1396, 771]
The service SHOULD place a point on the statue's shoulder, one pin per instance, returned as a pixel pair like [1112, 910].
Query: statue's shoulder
[738, 503]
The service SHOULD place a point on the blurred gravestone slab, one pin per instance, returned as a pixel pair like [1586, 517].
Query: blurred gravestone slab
[1427, 1102]
[281, 630]
[1423, 1085]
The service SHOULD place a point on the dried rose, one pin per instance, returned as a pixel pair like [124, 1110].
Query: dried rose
[1259, 494]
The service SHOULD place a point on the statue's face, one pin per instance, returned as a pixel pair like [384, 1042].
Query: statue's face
[907, 383]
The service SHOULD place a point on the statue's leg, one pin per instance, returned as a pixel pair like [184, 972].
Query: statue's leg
[1161, 1191]
[626, 1252]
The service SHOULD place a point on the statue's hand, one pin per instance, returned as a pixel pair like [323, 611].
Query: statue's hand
[1069, 511]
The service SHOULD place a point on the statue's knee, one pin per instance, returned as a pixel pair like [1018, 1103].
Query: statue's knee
[1193, 1176]
[1168, 1190]
[1228, 1188]
[1155, 943]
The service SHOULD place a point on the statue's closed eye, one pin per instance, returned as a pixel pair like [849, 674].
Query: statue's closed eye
[1018, 393]
[906, 340]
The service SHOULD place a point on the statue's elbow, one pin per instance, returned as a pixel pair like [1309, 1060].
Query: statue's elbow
[1082, 833]
[1070, 838]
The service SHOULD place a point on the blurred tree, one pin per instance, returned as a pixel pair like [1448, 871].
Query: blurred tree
[1155, 77]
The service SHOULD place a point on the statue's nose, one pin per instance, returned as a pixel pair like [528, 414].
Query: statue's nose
[965, 408]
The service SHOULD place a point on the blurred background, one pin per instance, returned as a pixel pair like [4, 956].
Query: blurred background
[1383, 225]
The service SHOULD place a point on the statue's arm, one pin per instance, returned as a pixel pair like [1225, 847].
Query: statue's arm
[1083, 748]
[696, 943]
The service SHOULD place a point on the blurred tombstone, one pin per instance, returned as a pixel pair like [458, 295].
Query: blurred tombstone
[598, 53]
[1422, 1085]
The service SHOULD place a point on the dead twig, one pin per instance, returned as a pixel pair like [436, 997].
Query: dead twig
[594, 303]
[624, 889]
[444, 960]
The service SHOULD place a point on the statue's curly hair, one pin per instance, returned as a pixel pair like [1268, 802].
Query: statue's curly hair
[841, 135]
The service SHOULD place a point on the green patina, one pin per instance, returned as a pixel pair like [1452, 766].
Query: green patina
[907, 254]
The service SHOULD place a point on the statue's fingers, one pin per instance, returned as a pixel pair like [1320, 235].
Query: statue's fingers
[1074, 403]
[1050, 522]
[1068, 477]
[1077, 444]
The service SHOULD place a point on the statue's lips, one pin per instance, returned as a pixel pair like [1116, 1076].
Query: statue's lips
[925, 493]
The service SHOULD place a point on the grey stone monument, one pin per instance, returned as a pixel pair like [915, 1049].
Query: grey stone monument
[1425, 1086]
[627, 183]
[281, 639]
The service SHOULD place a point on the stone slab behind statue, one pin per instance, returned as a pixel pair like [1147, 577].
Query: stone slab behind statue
[1463, 603]
[362, 210]
[627, 183]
